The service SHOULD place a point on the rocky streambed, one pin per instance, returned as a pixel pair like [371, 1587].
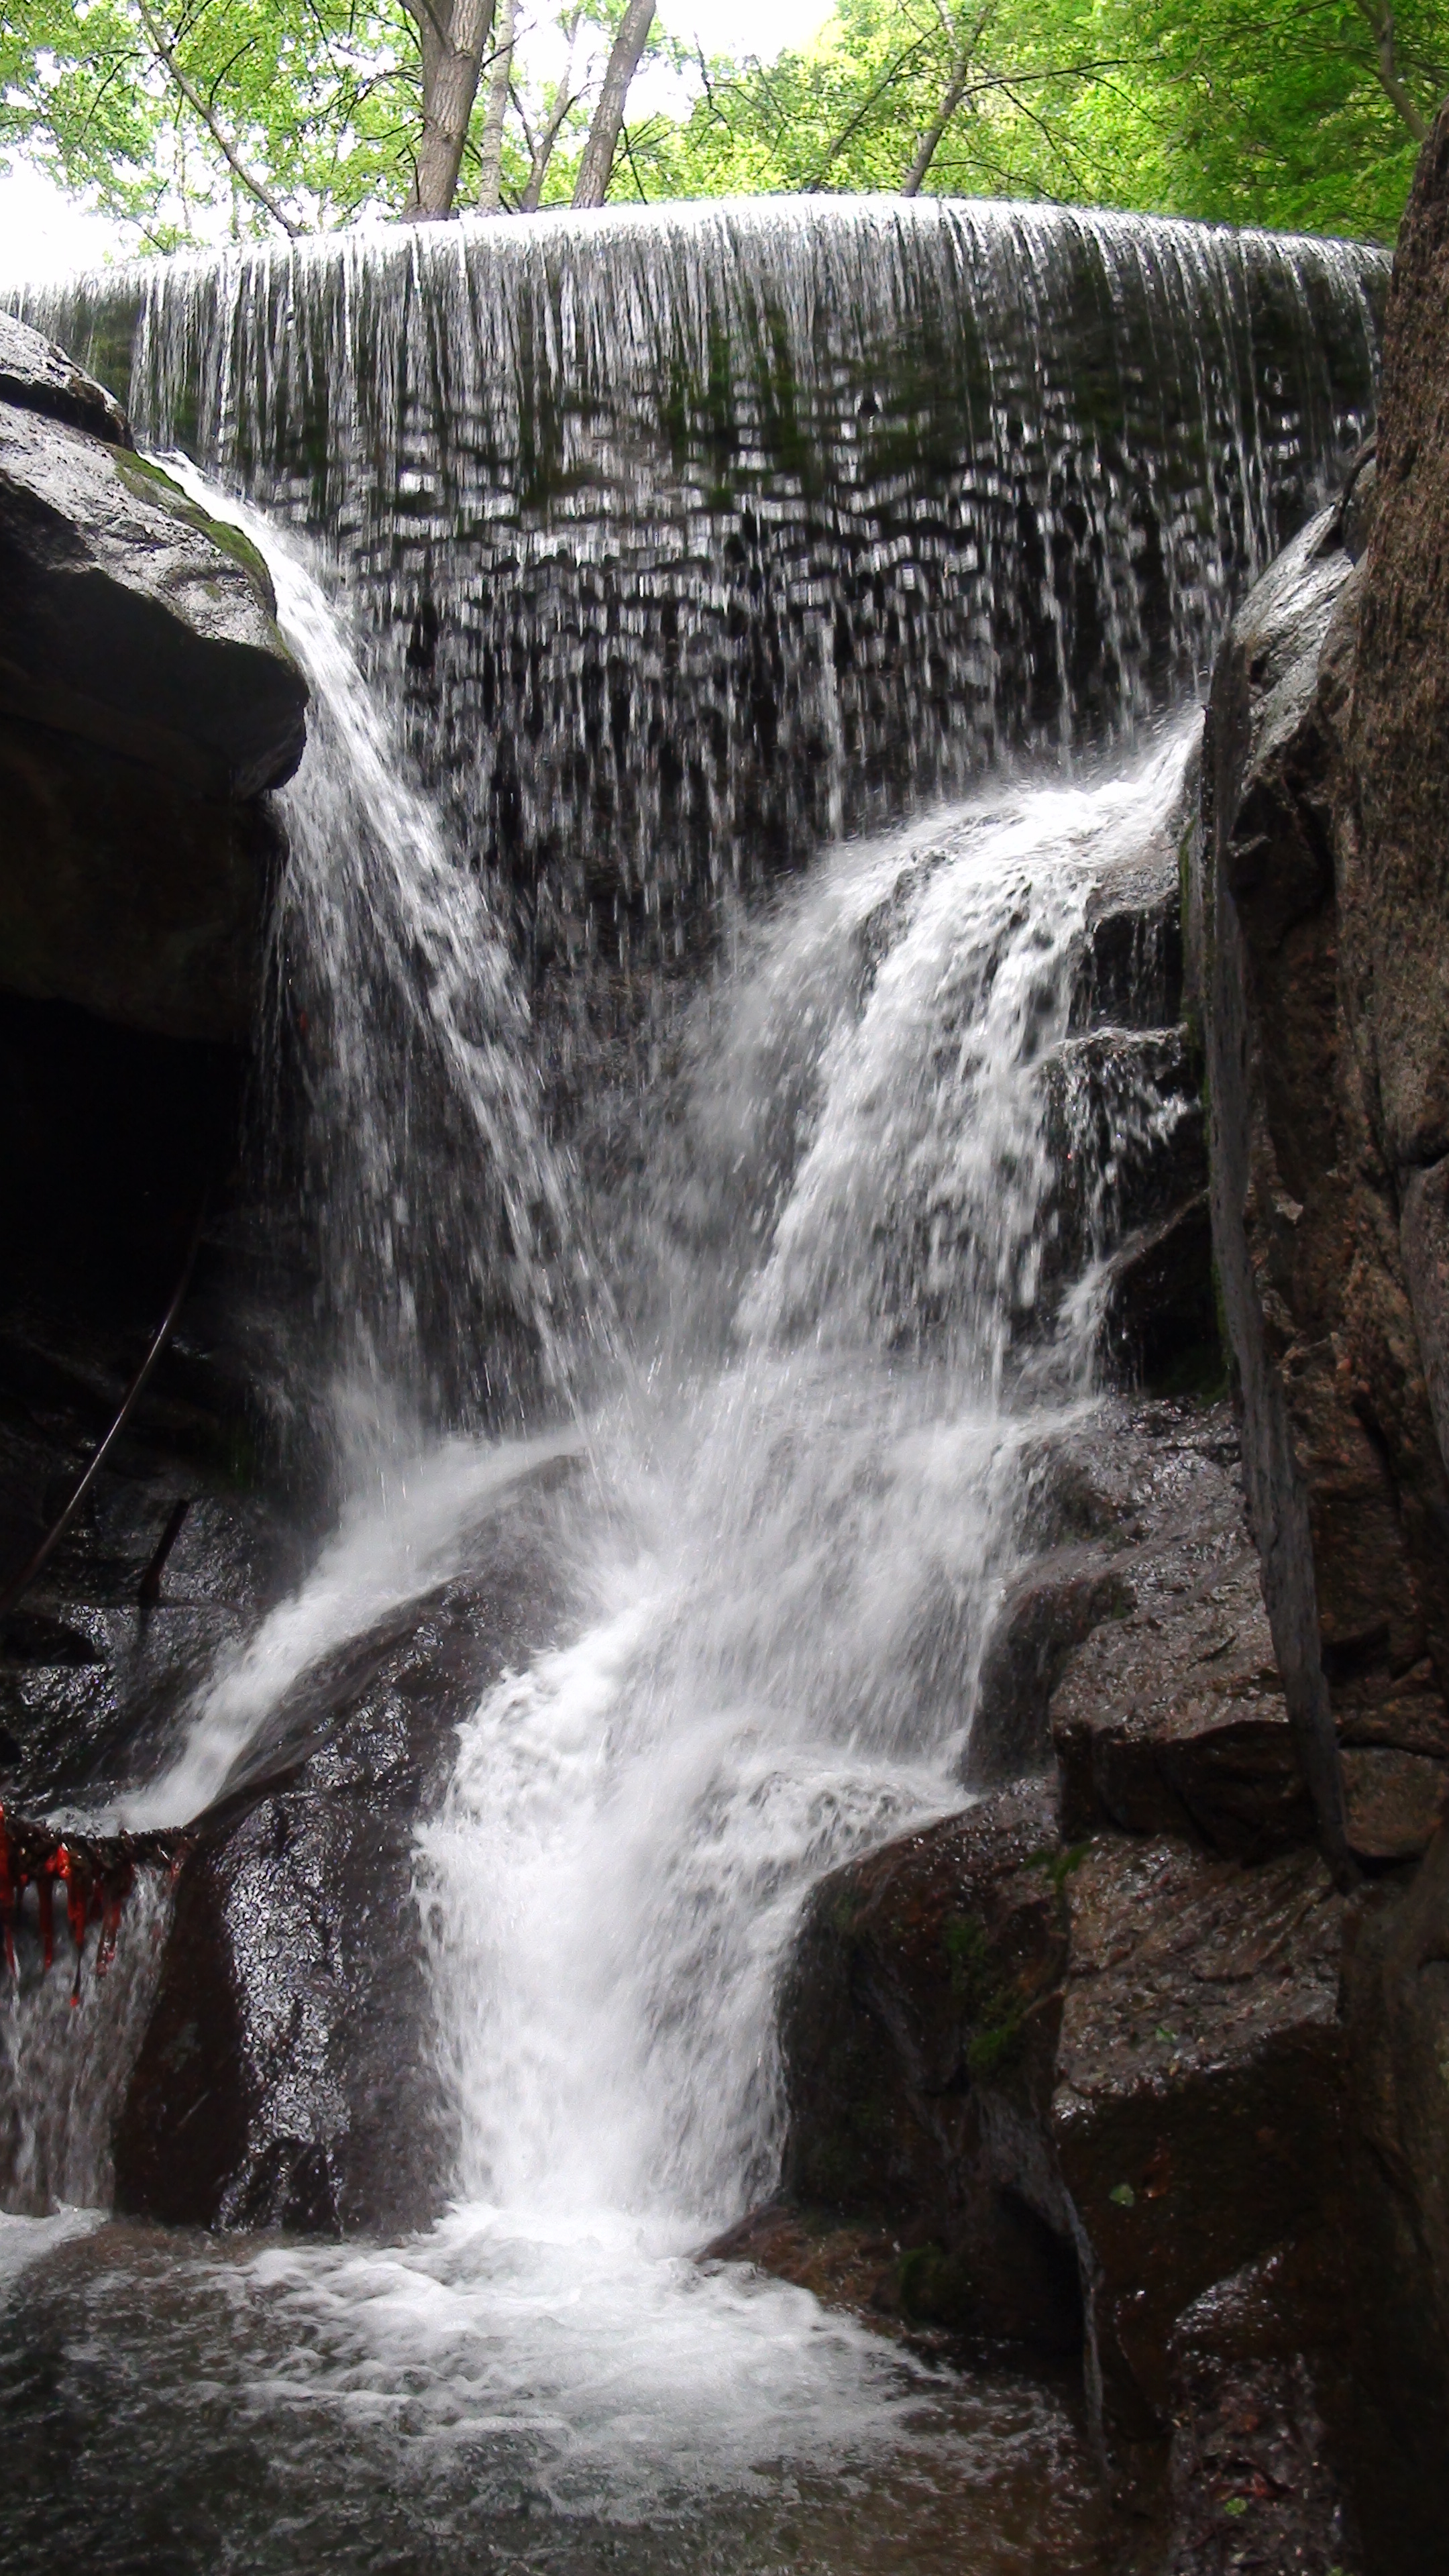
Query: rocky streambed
[1126, 2067]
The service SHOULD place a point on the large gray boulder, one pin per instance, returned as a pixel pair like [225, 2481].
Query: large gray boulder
[147, 702]
[131, 620]
[36, 376]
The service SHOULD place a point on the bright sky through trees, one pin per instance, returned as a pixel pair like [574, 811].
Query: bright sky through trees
[170, 121]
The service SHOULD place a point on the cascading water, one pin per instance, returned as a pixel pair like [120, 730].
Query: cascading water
[692, 535]
[681, 543]
[440, 1231]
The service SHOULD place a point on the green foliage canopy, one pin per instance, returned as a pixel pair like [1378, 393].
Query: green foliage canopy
[1245, 111]
[189, 117]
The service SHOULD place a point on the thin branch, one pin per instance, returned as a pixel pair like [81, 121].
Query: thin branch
[166, 55]
[633, 165]
[861, 113]
[1380, 18]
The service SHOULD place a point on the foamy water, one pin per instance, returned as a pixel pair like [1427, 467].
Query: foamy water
[801, 1503]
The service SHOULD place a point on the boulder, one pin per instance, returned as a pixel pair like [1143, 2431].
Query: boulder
[1140, 1660]
[917, 2026]
[146, 702]
[1047, 1611]
[1196, 2117]
[36, 376]
[127, 894]
[286, 2075]
[1396, 1801]
[130, 620]
[1005, 2056]
[1253, 2480]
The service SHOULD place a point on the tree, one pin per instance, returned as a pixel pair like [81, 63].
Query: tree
[185, 116]
[265, 116]
[490, 150]
[597, 166]
[452, 35]
[1307, 115]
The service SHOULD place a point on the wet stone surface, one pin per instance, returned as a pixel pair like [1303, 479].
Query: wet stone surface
[286, 2077]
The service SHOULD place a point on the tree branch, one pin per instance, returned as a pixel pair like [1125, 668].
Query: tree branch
[1380, 17]
[925, 151]
[854, 123]
[166, 56]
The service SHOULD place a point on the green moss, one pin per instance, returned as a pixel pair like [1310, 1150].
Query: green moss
[1060, 1865]
[994, 2048]
[991, 2004]
[152, 483]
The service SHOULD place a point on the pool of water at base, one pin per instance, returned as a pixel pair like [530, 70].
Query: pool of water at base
[176, 2403]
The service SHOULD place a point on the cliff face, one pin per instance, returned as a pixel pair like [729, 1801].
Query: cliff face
[1321, 914]
[146, 701]
[1143, 2028]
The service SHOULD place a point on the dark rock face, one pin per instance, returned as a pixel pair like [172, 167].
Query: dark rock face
[1320, 947]
[36, 376]
[1397, 1992]
[1015, 2054]
[146, 701]
[150, 905]
[132, 621]
[285, 2078]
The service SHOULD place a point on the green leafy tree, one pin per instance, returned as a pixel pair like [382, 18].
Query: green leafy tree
[189, 115]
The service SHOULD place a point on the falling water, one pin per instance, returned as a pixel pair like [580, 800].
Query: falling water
[690, 536]
[441, 1236]
[674, 548]
[783, 1563]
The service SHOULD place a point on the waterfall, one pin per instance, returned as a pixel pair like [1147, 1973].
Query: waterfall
[437, 1218]
[690, 536]
[651, 554]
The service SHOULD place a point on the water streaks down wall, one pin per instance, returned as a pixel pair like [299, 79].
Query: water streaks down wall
[694, 534]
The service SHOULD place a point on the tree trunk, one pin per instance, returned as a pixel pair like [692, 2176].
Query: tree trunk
[491, 176]
[965, 55]
[1381, 19]
[453, 34]
[596, 167]
[926, 148]
[541, 153]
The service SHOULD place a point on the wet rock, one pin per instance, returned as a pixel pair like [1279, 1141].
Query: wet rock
[1131, 975]
[1158, 1310]
[1001, 2051]
[1197, 2113]
[1252, 2482]
[132, 621]
[1051, 1608]
[1173, 1717]
[1126, 1130]
[1142, 1659]
[36, 376]
[1396, 1801]
[917, 2027]
[146, 701]
[150, 902]
[1397, 1998]
[1280, 1180]
[1406, 1711]
[1319, 944]
[1400, 703]
[285, 2078]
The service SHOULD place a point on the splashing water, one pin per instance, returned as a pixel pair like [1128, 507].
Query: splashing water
[803, 1503]
[783, 1564]
[441, 1234]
